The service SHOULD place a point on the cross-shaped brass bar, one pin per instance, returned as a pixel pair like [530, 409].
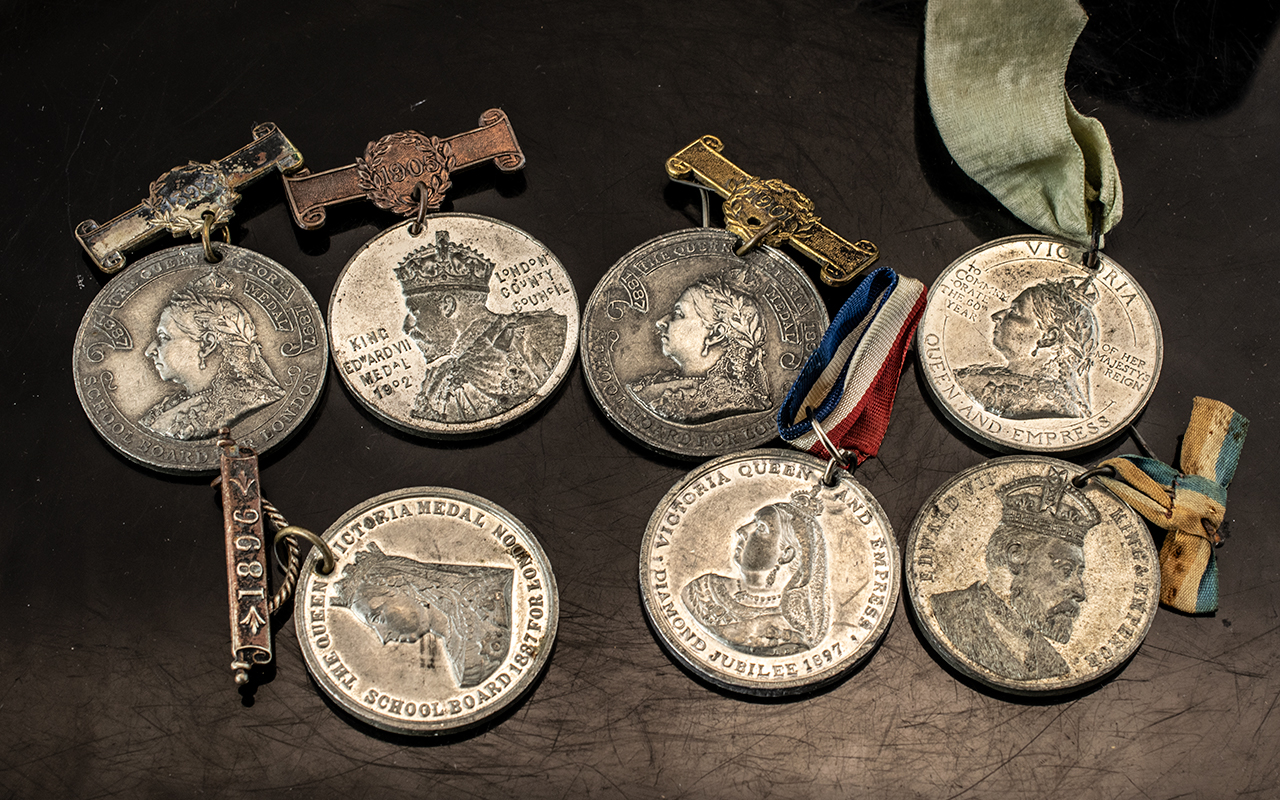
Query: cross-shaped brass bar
[770, 211]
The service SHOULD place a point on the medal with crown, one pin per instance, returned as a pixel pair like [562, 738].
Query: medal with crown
[197, 337]
[447, 325]
[1028, 576]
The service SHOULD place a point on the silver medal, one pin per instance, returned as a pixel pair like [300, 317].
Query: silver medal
[763, 580]
[1027, 583]
[175, 347]
[440, 612]
[455, 331]
[1026, 349]
[690, 349]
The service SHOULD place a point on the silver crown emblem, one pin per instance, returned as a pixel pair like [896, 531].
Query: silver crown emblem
[443, 266]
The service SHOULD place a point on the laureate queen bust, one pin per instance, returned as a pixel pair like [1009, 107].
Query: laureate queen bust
[1035, 581]
[776, 602]
[715, 336]
[207, 344]
[479, 363]
[1048, 337]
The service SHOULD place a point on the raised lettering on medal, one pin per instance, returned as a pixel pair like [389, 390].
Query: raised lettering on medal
[247, 565]
[446, 561]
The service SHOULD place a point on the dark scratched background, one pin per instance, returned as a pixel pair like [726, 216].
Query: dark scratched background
[113, 631]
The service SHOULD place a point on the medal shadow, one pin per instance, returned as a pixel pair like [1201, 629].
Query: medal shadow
[1038, 699]
[784, 697]
[443, 739]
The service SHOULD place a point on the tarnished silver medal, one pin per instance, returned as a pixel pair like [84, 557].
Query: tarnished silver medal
[762, 579]
[196, 338]
[690, 348]
[441, 611]
[456, 330]
[450, 325]
[690, 341]
[1026, 348]
[1027, 582]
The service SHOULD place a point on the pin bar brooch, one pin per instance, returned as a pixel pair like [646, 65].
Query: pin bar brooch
[180, 198]
[770, 211]
[395, 166]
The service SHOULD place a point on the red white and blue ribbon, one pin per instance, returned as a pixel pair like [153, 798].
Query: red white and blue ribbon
[851, 378]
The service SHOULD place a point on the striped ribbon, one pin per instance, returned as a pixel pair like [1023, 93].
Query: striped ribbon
[1190, 504]
[851, 378]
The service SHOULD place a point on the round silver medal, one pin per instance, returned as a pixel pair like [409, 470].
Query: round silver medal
[455, 331]
[1026, 583]
[174, 348]
[764, 581]
[1026, 349]
[690, 349]
[440, 612]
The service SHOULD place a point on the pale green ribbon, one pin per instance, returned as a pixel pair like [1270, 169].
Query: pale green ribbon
[995, 71]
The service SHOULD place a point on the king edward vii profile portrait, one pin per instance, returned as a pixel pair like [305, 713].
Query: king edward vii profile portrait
[1035, 581]
[480, 363]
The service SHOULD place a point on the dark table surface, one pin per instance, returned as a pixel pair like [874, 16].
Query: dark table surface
[113, 638]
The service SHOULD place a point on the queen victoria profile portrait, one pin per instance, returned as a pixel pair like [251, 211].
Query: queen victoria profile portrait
[465, 607]
[715, 336]
[479, 363]
[207, 344]
[776, 603]
[1048, 337]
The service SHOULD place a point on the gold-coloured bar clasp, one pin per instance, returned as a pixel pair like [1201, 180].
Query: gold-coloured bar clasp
[770, 211]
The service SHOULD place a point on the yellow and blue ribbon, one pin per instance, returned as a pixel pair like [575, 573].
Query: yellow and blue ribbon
[1190, 504]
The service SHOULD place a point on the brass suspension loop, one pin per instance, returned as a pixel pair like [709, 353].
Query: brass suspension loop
[206, 238]
[327, 561]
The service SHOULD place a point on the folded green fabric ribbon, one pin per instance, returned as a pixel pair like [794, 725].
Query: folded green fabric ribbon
[995, 72]
[1190, 504]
